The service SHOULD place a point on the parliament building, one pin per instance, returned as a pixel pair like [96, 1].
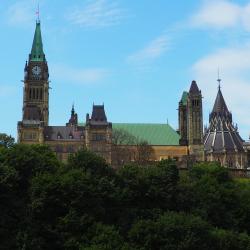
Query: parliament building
[119, 143]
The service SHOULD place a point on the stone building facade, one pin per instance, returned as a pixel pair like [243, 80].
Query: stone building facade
[151, 141]
[119, 143]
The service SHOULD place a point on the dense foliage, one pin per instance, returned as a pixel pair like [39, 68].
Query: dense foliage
[87, 205]
[6, 140]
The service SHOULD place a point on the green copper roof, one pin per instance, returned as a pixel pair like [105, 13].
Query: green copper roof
[37, 54]
[154, 134]
[184, 97]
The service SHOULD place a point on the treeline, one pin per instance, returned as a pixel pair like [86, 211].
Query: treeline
[87, 205]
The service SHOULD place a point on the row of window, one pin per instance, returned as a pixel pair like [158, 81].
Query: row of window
[30, 136]
[36, 93]
[195, 102]
[66, 149]
[98, 137]
[59, 136]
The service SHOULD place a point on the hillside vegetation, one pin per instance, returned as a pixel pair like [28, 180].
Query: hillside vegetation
[87, 205]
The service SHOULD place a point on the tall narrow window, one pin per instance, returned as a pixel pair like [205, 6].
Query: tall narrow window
[33, 93]
[41, 94]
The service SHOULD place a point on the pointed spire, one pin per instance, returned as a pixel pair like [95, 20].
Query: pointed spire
[37, 54]
[220, 104]
[218, 79]
[73, 109]
[194, 88]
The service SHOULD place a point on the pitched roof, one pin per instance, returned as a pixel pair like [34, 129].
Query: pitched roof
[98, 113]
[194, 88]
[54, 133]
[37, 54]
[222, 135]
[220, 104]
[154, 134]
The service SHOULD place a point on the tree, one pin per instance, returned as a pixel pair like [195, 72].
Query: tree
[6, 140]
[18, 166]
[89, 162]
[121, 140]
[103, 237]
[146, 191]
[215, 196]
[229, 240]
[128, 148]
[171, 231]
[144, 152]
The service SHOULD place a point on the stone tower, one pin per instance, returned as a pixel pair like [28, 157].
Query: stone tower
[35, 93]
[98, 132]
[191, 122]
[195, 122]
[183, 119]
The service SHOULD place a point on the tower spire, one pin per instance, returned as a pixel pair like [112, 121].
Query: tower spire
[38, 14]
[73, 109]
[37, 54]
[218, 79]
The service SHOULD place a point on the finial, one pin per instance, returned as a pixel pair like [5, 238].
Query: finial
[38, 14]
[73, 109]
[218, 79]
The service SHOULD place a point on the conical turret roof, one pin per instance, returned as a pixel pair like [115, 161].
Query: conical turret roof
[194, 88]
[222, 136]
[37, 53]
[220, 104]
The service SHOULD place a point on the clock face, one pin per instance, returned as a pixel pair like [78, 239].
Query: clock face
[36, 70]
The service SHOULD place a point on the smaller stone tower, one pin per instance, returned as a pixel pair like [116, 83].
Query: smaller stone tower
[98, 133]
[195, 122]
[191, 122]
[183, 119]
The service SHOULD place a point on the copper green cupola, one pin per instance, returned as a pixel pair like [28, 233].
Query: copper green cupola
[37, 54]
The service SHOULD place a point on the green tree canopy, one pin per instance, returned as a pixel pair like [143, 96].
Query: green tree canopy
[6, 140]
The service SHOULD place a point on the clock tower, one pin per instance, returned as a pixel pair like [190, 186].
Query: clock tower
[35, 112]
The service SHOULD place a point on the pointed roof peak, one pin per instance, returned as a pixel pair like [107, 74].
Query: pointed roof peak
[184, 97]
[194, 88]
[37, 54]
[220, 104]
[73, 109]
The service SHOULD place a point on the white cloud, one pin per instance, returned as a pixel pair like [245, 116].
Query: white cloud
[220, 14]
[77, 75]
[235, 69]
[20, 13]
[152, 51]
[97, 14]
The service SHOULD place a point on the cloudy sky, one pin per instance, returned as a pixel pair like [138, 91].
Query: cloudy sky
[136, 57]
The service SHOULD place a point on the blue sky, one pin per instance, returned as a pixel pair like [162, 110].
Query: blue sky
[136, 57]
